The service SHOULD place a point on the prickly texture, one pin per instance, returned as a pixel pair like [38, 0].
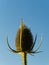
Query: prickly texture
[18, 41]
[26, 40]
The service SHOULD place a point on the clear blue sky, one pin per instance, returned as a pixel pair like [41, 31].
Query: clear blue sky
[36, 16]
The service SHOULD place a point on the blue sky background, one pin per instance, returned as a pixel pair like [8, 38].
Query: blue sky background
[36, 16]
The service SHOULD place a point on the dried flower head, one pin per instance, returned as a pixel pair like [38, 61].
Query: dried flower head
[24, 41]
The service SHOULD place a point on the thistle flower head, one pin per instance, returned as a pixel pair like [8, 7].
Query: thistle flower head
[24, 39]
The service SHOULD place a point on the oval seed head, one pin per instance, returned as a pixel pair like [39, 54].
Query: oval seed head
[24, 39]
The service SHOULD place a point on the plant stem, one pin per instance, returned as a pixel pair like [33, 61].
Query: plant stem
[24, 58]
